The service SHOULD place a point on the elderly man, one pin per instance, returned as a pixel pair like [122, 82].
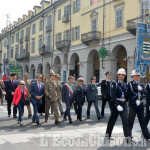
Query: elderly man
[37, 92]
[51, 98]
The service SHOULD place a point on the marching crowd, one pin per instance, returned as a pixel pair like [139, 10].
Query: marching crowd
[125, 99]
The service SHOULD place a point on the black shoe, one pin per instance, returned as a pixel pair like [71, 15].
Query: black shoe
[103, 116]
[108, 137]
[70, 122]
[57, 122]
[41, 114]
[100, 118]
[65, 118]
[37, 122]
[62, 113]
[88, 117]
[33, 121]
[29, 116]
[8, 115]
[14, 116]
[80, 120]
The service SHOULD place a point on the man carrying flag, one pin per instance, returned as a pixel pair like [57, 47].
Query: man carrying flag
[67, 94]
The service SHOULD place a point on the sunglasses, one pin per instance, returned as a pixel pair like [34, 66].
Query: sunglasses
[21, 84]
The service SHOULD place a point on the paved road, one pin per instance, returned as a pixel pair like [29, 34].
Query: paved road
[88, 135]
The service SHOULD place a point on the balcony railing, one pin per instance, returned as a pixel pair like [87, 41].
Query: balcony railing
[132, 24]
[21, 40]
[49, 28]
[66, 18]
[45, 50]
[22, 56]
[65, 44]
[5, 60]
[94, 36]
[27, 38]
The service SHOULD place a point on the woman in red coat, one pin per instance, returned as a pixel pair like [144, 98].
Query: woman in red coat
[20, 99]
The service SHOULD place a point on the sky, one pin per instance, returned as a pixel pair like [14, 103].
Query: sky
[16, 9]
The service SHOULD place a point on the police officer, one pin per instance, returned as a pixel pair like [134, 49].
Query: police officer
[118, 104]
[136, 107]
[92, 97]
[147, 117]
[28, 83]
[105, 90]
[51, 98]
[79, 97]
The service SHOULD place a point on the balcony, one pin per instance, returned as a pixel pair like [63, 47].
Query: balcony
[91, 37]
[27, 38]
[49, 28]
[21, 40]
[132, 24]
[5, 60]
[45, 50]
[66, 18]
[22, 56]
[63, 45]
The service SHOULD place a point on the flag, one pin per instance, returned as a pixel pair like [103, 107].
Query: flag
[4, 76]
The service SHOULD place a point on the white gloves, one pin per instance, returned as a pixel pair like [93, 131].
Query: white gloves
[119, 108]
[137, 102]
[140, 88]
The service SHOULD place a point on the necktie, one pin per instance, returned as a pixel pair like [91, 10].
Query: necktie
[12, 82]
[39, 86]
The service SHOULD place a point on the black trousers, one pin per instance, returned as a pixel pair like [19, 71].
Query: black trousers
[75, 108]
[67, 112]
[104, 101]
[147, 117]
[79, 107]
[114, 115]
[139, 111]
[9, 103]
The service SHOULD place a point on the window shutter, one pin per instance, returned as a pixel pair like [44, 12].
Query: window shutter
[77, 5]
[74, 7]
[91, 2]
[64, 35]
[78, 33]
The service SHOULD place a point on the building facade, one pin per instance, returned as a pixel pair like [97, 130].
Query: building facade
[66, 35]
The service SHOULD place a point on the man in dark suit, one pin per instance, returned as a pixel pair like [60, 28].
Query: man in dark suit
[136, 92]
[10, 86]
[37, 92]
[105, 90]
[67, 95]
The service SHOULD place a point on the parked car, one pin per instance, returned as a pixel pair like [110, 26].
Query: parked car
[99, 91]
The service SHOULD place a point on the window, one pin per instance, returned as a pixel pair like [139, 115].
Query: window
[22, 33]
[27, 31]
[119, 18]
[27, 47]
[94, 24]
[40, 43]
[17, 37]
[49, 20]
[59, 36]
[12, 52]
[21, 49]
[33, 46]
[48, 41]
[59, 14]
[76, 6]
[67, 10]
[68, 35]
[34, 28]
[16, 50]
[8, 54]
[41, 25]
[77, 33]
[12, 40]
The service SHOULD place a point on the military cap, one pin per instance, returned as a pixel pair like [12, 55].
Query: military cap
[12, 74]
[108, 73]
[93, 78]
[39, 76]
[57, 76]
[80, 79]
[52, 73]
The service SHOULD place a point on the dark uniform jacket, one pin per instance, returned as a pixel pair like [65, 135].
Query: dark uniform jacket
[92, 93]
[105, 89]
[9, 88]
[117, 91]
[148, 94]
[132, 94]
[79, 94]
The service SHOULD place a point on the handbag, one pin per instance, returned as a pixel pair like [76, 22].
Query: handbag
[3, 93]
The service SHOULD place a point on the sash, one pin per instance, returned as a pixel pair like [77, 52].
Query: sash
[70, 89]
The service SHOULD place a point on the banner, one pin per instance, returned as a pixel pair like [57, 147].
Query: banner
[142, 59]
[14, 68]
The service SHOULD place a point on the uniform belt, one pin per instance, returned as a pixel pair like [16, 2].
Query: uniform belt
[121, 99]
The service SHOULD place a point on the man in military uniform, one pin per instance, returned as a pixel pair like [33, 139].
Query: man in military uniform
[147, 117]
[136, 107]
[28, 83]
[92, 97]
[51, 97]
[105, 90]
[118, 105]
[59, 88]
[79, 97]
